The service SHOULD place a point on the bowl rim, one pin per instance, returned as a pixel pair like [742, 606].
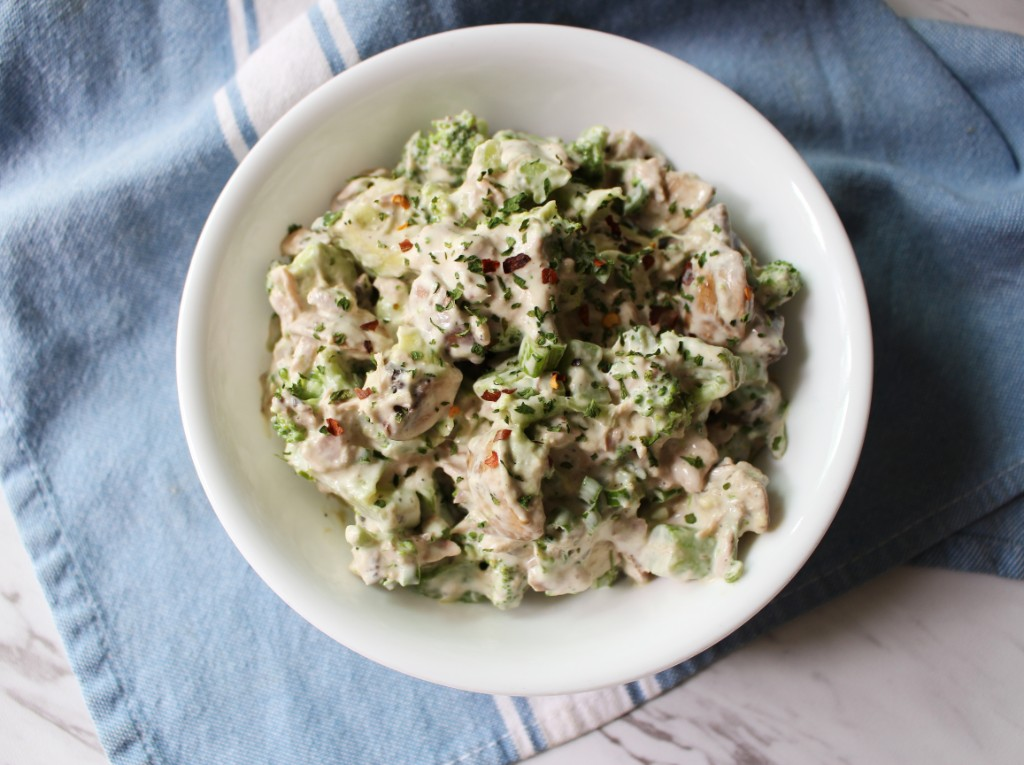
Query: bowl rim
[194, 311]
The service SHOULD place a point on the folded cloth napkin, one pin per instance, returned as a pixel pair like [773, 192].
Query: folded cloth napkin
[121, 122]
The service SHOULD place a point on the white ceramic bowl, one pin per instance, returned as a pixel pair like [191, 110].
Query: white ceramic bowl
[552, 81]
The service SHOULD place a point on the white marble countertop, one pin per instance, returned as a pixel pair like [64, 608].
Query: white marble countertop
[917, 666]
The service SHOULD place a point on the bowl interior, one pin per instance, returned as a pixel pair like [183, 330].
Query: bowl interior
[563, 81]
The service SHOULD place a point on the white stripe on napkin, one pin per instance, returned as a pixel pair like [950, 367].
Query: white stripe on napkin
[280, 72]
[274, 15]
[239, 30]
[228, 126]
[516, 727]
[339, 33]
[541, 722]
[649, 685]
[562, 718]
[288, 65]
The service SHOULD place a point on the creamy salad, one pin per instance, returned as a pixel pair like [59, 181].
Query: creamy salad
[529, 364]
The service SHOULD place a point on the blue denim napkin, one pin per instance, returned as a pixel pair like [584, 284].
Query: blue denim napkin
[121, 121]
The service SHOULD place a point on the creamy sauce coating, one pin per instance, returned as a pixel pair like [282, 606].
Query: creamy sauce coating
[529, 364]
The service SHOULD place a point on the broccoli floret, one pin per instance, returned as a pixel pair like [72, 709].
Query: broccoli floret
[587, 151]
[290, 431]
[309, 386]
[443, 154]
[777, 282]
[643, 373]
[585, 383]
[654, 391]
[752, 416]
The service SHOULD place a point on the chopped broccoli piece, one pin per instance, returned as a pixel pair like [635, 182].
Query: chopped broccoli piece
[777, 282]
[290, 431]
[443, 154]
[587, 151]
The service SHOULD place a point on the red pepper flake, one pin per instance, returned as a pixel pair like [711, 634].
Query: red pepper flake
[502, 435]
[362, 392]
[369, 326]
[454, 411]
[515, 262]
[747, 293]
[489, 266]
[613, 226]
[555, 377]
[334, 427]
[492, 460]
[491, 395]
[401, 200]
[508, 391]
[598, 263]
[647, 261]
[405, 245]
[610, 320]
[585, 315]
[549, 276]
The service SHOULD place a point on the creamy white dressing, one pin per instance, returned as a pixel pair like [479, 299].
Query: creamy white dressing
[525, 364]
